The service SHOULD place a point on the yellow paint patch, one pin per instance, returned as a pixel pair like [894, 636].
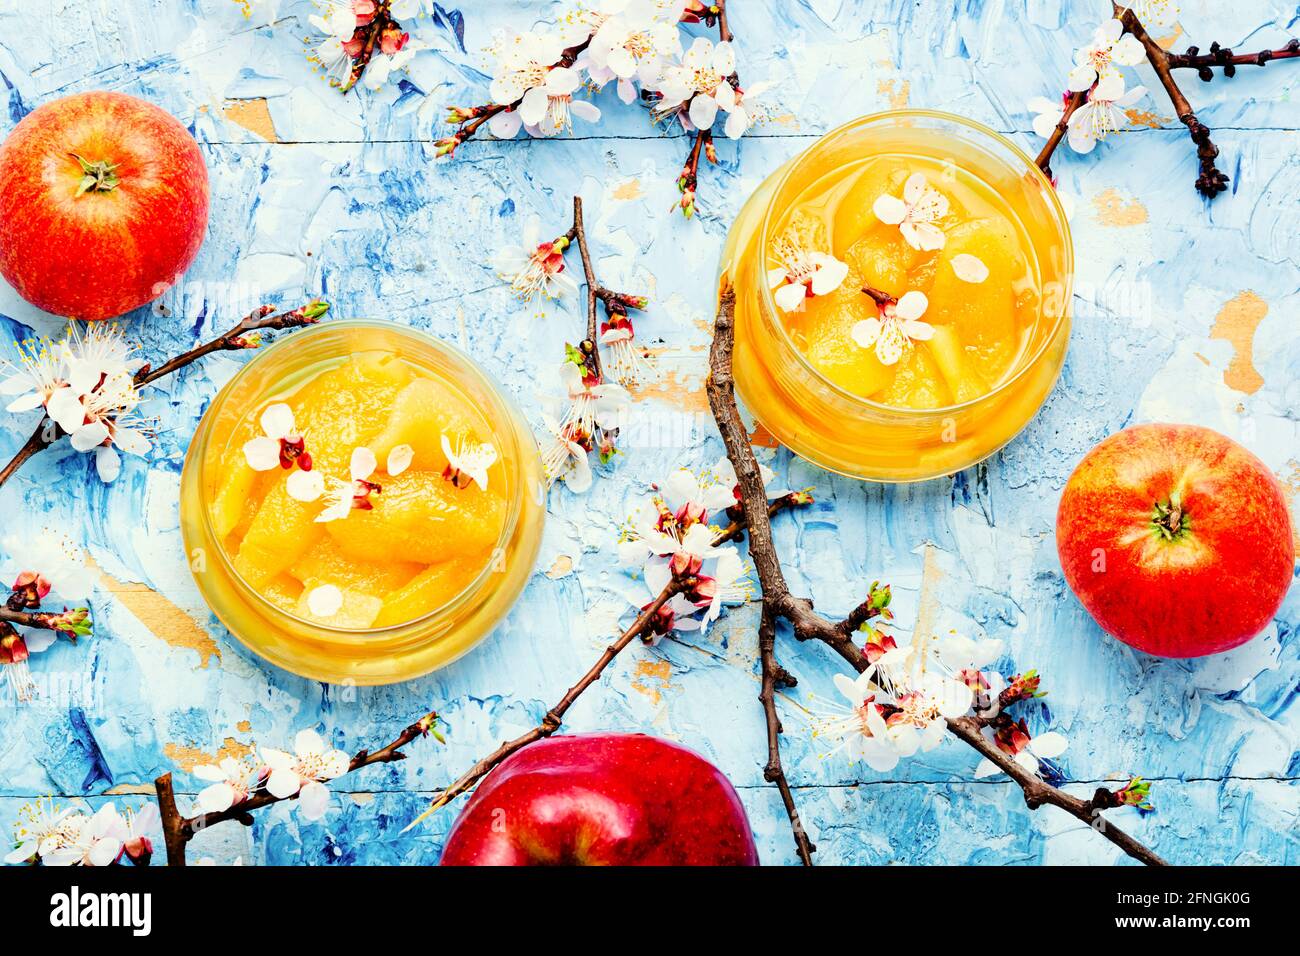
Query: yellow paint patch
[187, 757]
[131, 789]
[252, 115]
[672, 389]
[363, 799]
[1236, 324]
[1167, 42]
[244, 726]
[561, 568]
[763, 438]
[896, 91]
[1113, 211]
[648, 672]
[628, 190]
[927, 604]
[1145, 118]
[163, 619]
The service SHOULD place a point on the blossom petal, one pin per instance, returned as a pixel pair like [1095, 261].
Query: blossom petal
[505, 125]
[866, 332]
[1081, 78]
[830, 274]
[532, 110]
[325, 601]
[305, 486]
[969, 268]
[986, 768]
[1050, 744]
[584, 110]
[283, 784]
[313, 801]
[703, 111]
[25, 403]
[88, 436]
[277, 421]
[912, 305]
[791, 297]
[108, 463]
[65, 409]
[890, 210]
[216, 798]
[262, 454]
[399, 459]
[363, 464]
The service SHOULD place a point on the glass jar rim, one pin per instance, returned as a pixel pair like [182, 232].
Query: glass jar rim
[1061, 218]
[508, 527]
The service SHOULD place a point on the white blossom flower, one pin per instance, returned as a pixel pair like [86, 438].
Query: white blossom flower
[53, 556]
[383, 65]
[859, 729]
[86, 841]
[675, 523]
[802, 273]
[1110, 48]
[916, 214]
[343, 497]
[304, 772]
[332, 56]
[86, 385]
[700, 82]
[747, 109]
[592, 404]
[721, 489]
[1027, 751]
[535, 267]
[897, 327]
[632, 43]
[524, 62]
[564, 456]
[469, 458]
[339, 19]
[42, 823]
[626, 362]
[958, 653]
[1102, 114]
[548, 109]
[1047, 114]
[230, 781]
[279, 445]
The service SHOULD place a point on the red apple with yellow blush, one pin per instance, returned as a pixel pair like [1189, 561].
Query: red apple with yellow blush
[603, 800]
[1176, 539]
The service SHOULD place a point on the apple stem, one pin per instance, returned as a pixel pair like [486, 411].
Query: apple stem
[98, 177]
[1169, 519]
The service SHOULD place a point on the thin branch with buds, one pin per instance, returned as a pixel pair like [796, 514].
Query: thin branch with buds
[778, 602]
[615, 303]
[179, 830]
[640, 628]
[245, 335]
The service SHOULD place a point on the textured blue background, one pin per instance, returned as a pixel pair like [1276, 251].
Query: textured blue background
[1185, 312]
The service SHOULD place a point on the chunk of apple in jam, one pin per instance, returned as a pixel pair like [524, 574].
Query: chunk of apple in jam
[917, 382]
[429, 590]
[325, 563]
[422, 517]
[855, 216]
[422, 413]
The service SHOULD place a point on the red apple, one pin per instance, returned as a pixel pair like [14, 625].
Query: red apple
[103, 204]
[602, 800]
[1176, 539]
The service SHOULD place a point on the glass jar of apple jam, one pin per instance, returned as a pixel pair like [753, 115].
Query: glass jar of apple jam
[361, 503]
[902, 296]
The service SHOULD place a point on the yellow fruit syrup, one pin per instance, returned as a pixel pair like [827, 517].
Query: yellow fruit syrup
[361, 503]
[902, 292]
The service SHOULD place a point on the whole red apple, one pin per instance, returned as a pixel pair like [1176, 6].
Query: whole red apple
[602, 800]
[103, 204]
[1176, 539]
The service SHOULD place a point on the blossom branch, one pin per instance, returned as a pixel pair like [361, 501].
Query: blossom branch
[640, 628]
[245, 335]
[1211, 180]
[774, 676]
[179, 830]
[1222, 56]
[808, 625]
[1044, 160]
[616, 304]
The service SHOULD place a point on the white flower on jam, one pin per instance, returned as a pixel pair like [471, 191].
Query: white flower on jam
[1110, 49]
[564, 456]
[468, 459]
[802, 274]
[916, 214]
[399, 459]
[535, 267]
[280, 444]
[969, 268]
[898, 326]
[86, 385]
[701, 83]
[344, 497]
[303, 773]
[325, 601]
[1015, 741]
[229, 782]
[1103, 113]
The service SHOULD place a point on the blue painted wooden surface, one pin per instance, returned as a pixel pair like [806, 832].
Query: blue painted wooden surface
[349, 203]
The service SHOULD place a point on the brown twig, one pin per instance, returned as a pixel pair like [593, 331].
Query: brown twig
[261, 319]
[774, 676]
[615, 303]
[554, 717]
[808, 625]
[179, 830]
[40, 620]
[1211, 181]
[1223, 57]
[1044, 160]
